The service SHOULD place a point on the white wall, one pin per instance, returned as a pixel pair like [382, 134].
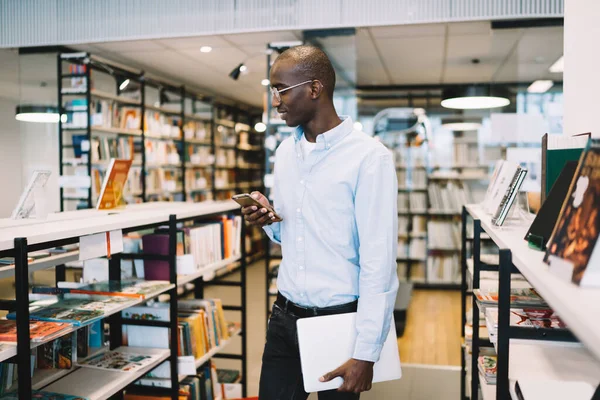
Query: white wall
[581, 82]
[10, 158]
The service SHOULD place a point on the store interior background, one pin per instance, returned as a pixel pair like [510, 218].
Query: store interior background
[377, 67]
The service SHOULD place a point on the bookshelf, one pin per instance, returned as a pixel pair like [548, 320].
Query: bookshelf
[174, 136]
[525, 352]
[66, 229]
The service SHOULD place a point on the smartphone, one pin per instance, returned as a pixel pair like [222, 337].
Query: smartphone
[245, 200]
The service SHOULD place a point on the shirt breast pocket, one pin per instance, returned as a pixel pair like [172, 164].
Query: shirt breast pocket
[338, 210]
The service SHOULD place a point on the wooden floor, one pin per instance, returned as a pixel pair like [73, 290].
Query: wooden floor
[432, 334]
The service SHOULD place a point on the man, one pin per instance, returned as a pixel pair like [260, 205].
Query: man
[336, 191]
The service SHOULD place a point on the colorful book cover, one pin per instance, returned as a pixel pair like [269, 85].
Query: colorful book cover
[57, 314]
[118, 361]
[528, 317]
[487, 365]
[63, 352]
[42, 395]
[576, 232]
[128, 288]
[45, 356]
[520, 297]
[38, 330]
[111, 194]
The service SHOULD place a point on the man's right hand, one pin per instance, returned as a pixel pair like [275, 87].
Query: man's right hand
[259, 216]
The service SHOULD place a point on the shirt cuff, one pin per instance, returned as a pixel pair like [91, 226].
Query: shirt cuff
[367, 351]
[273, 232]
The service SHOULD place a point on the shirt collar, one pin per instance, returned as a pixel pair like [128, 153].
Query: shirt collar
[328, 139]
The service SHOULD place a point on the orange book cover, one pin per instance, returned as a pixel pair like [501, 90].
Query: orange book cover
[111, 195]
[226, 237]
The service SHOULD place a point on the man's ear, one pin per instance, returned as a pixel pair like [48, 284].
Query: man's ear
[316, 89]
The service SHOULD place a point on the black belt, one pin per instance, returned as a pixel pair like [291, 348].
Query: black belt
[303, 312]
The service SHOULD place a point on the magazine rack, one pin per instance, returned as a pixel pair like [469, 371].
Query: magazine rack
[39, 235]
[505, 331]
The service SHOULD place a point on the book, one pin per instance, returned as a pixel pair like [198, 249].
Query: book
[128, 288]
[501, 185]
[542, 226]
[557, 150]
[509, 196]
[575, 235]
[518, 297]
[38, 331]
[66, 315]
[111, 194]
[115, 360]
[524, 317]
[487, 367]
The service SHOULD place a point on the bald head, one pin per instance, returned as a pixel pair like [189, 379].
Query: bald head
[311, 63]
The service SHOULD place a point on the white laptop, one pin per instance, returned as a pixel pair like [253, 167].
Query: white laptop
[327, 342]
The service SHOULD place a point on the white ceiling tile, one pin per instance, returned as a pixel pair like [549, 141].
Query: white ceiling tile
[262, 38]
[469, 28]
[408, 30]
[134, 45]
[194, 42]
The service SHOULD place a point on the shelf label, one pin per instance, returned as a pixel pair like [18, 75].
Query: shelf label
[100, 245]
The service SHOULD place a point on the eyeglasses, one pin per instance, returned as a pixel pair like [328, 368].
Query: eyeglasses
[277, 93]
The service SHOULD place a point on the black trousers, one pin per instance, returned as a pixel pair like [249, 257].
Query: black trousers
[281, 374]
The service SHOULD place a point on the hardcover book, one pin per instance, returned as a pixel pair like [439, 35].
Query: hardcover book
[575, 235]
[111, 194]
[509, 196]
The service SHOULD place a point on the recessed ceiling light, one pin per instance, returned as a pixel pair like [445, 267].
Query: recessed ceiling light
[558, 66]
[205, 49]
[265, 82]
[540, 86]
[243, 68]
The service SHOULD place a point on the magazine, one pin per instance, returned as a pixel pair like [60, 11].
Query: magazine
[575, 235]
[487, 367]
[518, 297]
[128, 288]
[119, 361]
[58, 314]
[42, 395]
[38, 330]
[528, 317]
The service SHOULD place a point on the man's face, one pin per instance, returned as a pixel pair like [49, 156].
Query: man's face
[297, 105]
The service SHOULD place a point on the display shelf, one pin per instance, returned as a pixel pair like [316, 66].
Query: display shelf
[205, 271]
[44, 377]
[119, 131]
[196, 118]
[532, 359]
[158, 136]
[249, 148]
[225, 122]
[443, 213]
[8, 271]
[162, 110]
[200, 361]
[573, 303]
[198, 166]
[97, 384]
[198, 142]
[119, 99]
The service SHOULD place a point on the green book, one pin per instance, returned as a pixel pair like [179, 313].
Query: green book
[557, 150]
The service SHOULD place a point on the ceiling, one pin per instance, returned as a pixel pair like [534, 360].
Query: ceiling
[376, 56]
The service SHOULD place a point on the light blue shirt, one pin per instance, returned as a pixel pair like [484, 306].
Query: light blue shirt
[339, 234]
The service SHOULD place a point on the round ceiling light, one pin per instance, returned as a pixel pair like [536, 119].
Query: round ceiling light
[205, 49]
[265, 82]
[35, 113]
[458, 124]
[260, 127]
[474, 98]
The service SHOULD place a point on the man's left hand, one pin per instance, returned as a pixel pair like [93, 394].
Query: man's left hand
[357, 376]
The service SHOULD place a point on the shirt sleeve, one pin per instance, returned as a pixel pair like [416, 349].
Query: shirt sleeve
[273, 231]
[377, 225]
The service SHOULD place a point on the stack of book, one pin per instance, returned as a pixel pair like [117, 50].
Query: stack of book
[402, 202]
[201, 324]
[103, 148]
[526, 297]
[197, 130]
[419, 178]
[158, 124]
[225, 157]
[523, 317]
[465, 154]
[443, 269]
[443, 235]
[225, 136]
[487, 368]
[160, 152]
[108, 114]
[448, 198]
[418, 202]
